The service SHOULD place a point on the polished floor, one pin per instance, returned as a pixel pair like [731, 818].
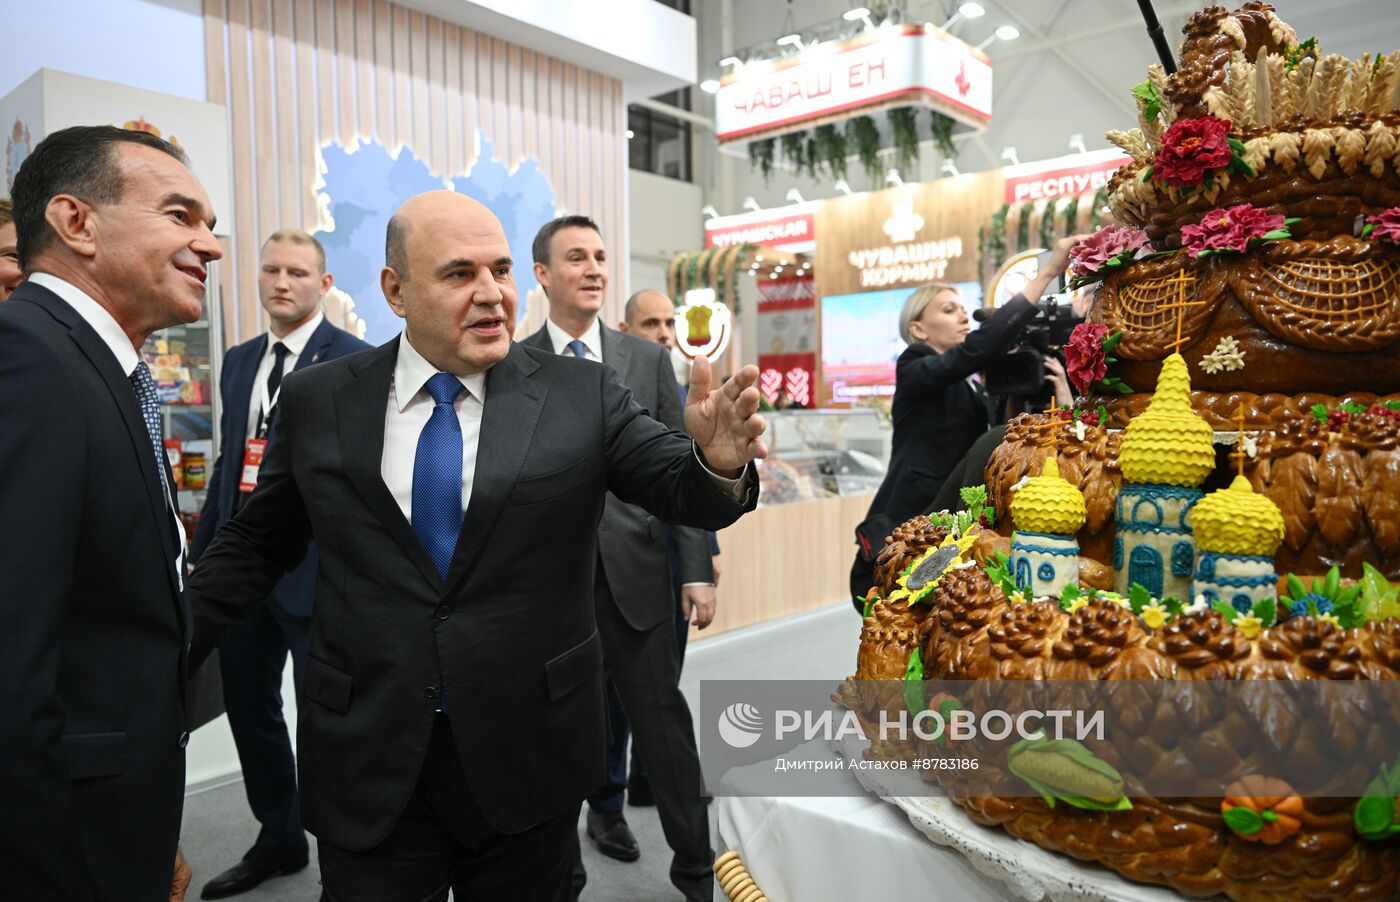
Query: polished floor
[818, 645]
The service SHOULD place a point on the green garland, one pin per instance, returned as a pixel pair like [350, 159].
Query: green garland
[996, 237]
[831, 149]
[1100, 201]
[1047, 225]
[1023, 227]
[943, 135]
[862, 134]
[1071, 211]
[794, 147]
[904, 126]
[810, 158]
[761, 157]
[983, 252]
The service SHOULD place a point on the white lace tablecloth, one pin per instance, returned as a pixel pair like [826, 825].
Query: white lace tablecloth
[873, 843]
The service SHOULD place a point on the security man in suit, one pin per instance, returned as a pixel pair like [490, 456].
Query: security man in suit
[452, 713]
[115, 234]
[292, 284]
[633, 590]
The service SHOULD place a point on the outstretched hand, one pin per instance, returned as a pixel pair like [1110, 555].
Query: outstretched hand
[725, 422]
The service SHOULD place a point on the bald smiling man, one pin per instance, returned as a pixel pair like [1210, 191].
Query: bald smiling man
[452, 714]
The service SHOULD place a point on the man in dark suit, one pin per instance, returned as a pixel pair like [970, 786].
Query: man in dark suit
[452, 701]
[633, 590]
[292, 282]
[115, 235]
[651, 315]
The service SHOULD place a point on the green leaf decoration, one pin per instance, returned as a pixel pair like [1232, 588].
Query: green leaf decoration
[869, 602]
[1110, 342]
[1236, 145]
[945, 709]
[914, 683]
[1173, 605]
[1244, 821]
[1266, 610]
[1146, 92]
[1068, 594]
[1023, 227]
[1064, 770]
[863, 135]
[1147, 175]
[1268, 816]
[1334, 579]
[1378, 599]
[1295, 586]
[1138, 597]
[1374, 817]
[1320, 412]
[1224, 609]
[1367, 229]
[1275, 235]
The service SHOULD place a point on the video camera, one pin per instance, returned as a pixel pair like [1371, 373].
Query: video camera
[1021, 373]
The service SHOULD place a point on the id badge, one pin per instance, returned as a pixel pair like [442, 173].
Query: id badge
[252, 462]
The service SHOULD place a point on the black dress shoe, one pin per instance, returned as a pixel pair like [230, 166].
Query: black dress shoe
[639, 795]
[258, 865]
[612, 836]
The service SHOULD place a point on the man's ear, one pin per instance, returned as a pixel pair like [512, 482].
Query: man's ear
[542, 276]
[327, 280]
[623, 327]
[72, 221]
[392, 286]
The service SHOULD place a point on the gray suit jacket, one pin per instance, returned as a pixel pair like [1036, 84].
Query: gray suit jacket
[631, 542]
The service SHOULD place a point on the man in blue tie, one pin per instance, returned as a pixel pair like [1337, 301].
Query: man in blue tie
[115, 235]
[452, 702]
[292, 283]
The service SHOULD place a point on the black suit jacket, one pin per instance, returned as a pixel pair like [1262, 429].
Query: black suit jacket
[92, 629]
[937, 415]
[510, 633]
[631, 542]
[296, 591]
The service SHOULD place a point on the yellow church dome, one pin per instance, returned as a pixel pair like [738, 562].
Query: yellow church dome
[1048, 503]
[1237, 520]
[1168, 444]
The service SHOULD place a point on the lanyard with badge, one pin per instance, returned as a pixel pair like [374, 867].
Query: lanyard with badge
[256, 445]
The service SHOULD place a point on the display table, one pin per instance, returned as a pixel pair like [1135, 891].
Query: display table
[854, 846]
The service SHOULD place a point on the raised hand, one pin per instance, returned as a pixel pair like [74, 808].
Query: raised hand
[725, 422]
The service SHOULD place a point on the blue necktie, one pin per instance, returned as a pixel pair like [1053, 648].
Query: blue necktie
[437, 475]
[577, 348]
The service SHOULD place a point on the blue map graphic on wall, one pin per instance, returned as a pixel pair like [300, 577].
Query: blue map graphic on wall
[365, 186]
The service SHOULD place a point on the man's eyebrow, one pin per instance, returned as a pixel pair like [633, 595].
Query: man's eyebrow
[191, 204]
[503, 261]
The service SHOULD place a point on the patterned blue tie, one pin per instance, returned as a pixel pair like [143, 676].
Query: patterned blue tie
[145, 388]
[578, 349]
[437, 475]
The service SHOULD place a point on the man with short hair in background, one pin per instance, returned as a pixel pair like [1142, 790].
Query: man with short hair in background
[10, 273]
[115, 234]
[651, 315]
[632, 591]
[292, 284]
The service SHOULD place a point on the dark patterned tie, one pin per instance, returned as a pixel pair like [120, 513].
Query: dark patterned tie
[145, 388]
[274, 381]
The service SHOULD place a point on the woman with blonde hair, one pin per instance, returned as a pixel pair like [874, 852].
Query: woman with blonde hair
[10, 273]
[937, 411]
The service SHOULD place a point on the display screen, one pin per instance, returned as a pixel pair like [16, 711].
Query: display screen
[860, 342]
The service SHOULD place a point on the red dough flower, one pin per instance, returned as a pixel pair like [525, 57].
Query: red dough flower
[1089, 256]
[1085, 361]
[1230, 229]
[1387, 224]
[1191, 148]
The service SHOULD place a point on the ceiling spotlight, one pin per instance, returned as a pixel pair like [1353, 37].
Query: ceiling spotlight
[710, 86]
[791, 40]
[950, 168]
[860, 13]
[1009, 154]
[758, 258]
[966, 11]
[1076, 143]
[629, 134]
[710, 212]
[772, 275]
[842, 187]
[1008, 32]
[893, 178]
[751, 204]
[794, 195]
[731, 61]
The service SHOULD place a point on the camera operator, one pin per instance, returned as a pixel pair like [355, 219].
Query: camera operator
[938, 413]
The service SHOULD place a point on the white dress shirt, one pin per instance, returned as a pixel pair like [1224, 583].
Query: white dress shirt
[592, 340]
[406, 414]
[295, 342]
[112, 335]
